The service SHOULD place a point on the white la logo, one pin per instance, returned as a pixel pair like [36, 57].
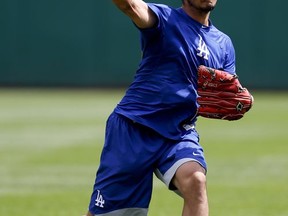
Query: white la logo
[202, 48]
[99, 200]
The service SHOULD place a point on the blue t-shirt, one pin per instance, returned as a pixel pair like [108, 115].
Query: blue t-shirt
[163, 94]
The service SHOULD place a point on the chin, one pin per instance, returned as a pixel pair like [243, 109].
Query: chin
[208, 8]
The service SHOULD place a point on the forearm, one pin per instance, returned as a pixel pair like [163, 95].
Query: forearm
[138, 11]
[124, 5]
[132, 8]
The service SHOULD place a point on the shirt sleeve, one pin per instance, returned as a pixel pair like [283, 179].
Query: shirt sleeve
[154, 34]
[162, 12]
[229, 64]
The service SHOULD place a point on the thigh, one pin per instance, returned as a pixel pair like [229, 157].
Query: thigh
[124, 178]
[186, 150]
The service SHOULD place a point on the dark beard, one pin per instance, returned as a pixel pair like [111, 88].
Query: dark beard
[203, 10]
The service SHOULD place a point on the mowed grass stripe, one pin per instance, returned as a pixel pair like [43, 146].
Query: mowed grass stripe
[50, 144]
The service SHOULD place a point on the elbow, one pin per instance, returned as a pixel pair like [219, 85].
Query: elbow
[125, 6]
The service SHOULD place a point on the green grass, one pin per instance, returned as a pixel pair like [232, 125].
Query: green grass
[50, 141]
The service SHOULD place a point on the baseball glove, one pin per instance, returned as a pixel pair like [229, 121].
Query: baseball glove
[221, 96]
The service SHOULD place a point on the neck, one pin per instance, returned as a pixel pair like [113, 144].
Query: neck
[200, 16]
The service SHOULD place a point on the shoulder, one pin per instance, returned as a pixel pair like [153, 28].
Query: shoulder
[161, 9]
[221, 37]
[219, 32]
[228, 51]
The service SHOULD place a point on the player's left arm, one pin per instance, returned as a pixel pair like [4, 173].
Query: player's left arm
[221, 94]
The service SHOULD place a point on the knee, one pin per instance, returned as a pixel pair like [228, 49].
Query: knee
[194, 183]
[198, 179]
[191, 182]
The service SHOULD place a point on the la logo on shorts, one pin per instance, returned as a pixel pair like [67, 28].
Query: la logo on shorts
[99, 201]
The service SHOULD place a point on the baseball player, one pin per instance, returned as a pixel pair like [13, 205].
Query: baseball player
[152, 129]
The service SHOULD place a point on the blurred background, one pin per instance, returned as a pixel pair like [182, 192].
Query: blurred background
[90, 43]
[64, 65]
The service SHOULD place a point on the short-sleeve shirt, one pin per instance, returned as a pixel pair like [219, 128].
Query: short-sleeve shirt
[163, 94]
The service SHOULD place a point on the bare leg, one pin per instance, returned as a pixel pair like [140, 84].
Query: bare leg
[190, 179]
[89, 214]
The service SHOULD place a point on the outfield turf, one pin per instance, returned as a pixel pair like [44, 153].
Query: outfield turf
[50, 141]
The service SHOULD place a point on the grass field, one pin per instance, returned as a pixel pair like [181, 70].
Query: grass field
[50, 141]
